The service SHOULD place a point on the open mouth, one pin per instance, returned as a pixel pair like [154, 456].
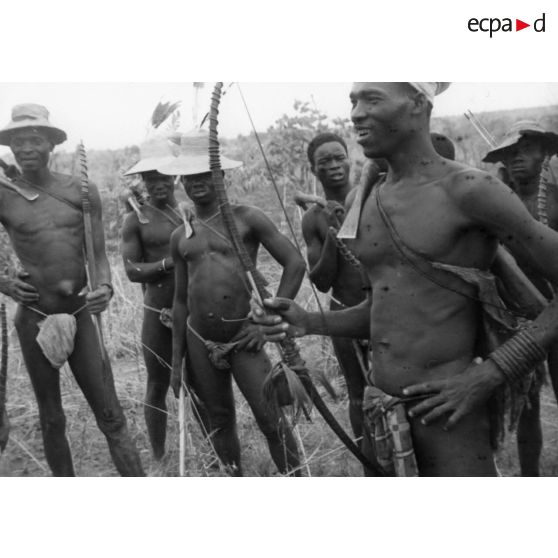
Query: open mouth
[362, 133]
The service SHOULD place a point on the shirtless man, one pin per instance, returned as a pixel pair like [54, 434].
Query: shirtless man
[424, 323]
[329, 162]
[48, 237]
[522, 152]
[210, 307]
[147, 260]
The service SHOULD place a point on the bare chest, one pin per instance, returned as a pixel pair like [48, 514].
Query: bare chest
[211, 241]
[424, 222]
[42, 216]
[156, 234]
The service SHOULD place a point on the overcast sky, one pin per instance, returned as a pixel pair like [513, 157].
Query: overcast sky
[112, 115]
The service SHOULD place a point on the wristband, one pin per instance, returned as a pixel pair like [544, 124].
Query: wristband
[518, 356]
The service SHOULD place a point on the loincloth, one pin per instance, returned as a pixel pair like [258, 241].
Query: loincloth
[165, 315]
[218, 353]
[56, 335]
[389, 433]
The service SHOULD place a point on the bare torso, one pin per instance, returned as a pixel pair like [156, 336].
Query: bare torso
[154, 240]
[419, 330]
[47, 236]
[217, 289]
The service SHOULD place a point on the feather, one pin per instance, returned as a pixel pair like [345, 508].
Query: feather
[162, 112]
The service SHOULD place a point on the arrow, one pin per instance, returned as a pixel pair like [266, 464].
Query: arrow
[519, 25]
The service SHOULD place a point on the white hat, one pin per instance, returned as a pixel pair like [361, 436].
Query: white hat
[154, 152]
[193, 156]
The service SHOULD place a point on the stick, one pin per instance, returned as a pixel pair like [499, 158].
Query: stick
[90, 267]
[4, 420]
[181, 431]
[482, 131]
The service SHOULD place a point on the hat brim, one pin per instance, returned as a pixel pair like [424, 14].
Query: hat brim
[56, 135]
[197, 164]
[550, 140]
[149, 164]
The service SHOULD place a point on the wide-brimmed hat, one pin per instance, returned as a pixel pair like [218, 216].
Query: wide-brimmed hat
[154, 153]
[31, 115]
[193, 157]
[523, 128]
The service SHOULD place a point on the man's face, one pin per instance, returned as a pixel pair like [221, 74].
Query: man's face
[331, 164]
[524, 159]
[31, 149]
[381, 113]
[199, 187]
[159, 186]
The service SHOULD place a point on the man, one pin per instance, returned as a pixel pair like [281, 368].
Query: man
[329, 162]
[523, 152]
[147, 260]
[426, 237]
[54, 318]
[211, 305]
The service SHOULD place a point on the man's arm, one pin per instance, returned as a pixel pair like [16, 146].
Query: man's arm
[322, 255]
[490, 204]
[15, 287]
[292, 319]
[281, 249]
[132, 254]
[179, 311]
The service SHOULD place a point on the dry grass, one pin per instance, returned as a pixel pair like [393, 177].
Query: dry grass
[325, 456]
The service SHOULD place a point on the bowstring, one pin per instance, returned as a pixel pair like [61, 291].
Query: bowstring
[283, 208]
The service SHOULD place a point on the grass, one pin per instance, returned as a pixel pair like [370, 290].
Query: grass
[325, 455]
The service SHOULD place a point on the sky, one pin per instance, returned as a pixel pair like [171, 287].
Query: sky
[113, 115]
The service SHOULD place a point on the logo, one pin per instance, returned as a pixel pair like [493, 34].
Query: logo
[493, 25]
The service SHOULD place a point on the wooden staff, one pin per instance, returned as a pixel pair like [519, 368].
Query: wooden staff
[4, 420]
[91, 267]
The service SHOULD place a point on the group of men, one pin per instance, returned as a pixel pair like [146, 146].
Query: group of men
[431, 318]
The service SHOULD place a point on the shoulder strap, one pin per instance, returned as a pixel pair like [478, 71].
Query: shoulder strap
[417, 261]
[57, 197]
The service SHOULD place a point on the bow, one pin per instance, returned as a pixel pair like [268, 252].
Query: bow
[90, 267]
[288, 348]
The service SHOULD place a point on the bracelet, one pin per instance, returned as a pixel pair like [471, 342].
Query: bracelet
[110, 287]
[163, 267]
[518, 356]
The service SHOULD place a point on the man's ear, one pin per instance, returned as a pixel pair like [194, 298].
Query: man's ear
[420, 103]
[313, 170]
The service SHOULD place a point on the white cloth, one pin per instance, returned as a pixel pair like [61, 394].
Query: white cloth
[430, 88]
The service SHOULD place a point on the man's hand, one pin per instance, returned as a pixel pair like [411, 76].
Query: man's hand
[292, 319]
[19, 289]
[176, 379]
[458, 395]
[334, 214]
[250, 338]
[98, 300]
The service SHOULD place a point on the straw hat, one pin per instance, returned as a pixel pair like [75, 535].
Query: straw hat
[154, 152]
[31, 115]
[193, 157]
[519, 130]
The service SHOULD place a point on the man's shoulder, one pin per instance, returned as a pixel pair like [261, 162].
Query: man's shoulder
[462, 180]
